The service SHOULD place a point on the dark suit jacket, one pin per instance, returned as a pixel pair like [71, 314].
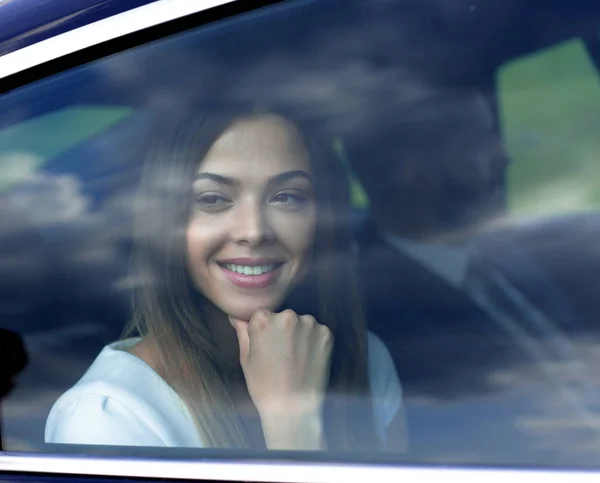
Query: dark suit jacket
[442, 343]
[448, 350]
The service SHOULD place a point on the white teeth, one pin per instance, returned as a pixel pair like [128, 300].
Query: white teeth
[247, 270]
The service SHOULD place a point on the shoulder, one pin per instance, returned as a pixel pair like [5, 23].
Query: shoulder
[120, 401]
[90, 416]
[386, 388]
[381, 365]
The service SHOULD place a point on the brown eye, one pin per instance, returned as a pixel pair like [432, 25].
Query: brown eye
[290, 200]
[212, 202]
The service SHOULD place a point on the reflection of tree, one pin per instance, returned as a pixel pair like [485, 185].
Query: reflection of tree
[16, 166]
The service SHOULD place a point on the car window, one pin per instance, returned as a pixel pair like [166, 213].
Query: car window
[345, 230]
[549, 101]
[28, 145]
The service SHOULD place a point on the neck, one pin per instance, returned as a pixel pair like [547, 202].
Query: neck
[421, 232]
[414, 221]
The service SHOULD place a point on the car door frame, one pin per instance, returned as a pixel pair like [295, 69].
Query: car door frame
[133, 28]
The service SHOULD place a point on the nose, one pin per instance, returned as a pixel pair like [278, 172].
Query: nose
[252, 226]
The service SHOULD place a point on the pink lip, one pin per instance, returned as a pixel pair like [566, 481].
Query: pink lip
[251, 281]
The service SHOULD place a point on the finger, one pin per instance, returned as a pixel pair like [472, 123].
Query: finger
[309, 320]
[259, 320]
[288, 319]
[241, 329]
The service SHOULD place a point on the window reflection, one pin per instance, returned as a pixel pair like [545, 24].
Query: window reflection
[405, 150]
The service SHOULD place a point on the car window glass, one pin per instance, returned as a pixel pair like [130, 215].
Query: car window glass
[349, 229]
[549, 100]
[28, 145]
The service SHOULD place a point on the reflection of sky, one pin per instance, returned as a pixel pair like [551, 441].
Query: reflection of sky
[472, 430]
[53, 366]
[81, 205]
[523, 426]
[475, 430]
[525, 420]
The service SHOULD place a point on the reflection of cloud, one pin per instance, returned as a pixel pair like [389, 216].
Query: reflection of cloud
[50, 200]
[128, 282]
[552, 430]
[349, 74]
[534, 412]
[84, 239]
[77, 243]
[566, 413]
[346, 93]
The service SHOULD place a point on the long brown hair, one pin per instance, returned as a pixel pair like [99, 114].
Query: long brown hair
[168, 309]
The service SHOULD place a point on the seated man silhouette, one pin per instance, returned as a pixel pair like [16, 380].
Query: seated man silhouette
[433, 181]
[454, 303]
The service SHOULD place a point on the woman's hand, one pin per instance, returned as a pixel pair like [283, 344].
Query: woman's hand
[286, 362]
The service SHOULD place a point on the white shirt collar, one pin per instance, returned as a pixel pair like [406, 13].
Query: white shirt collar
[450, 262]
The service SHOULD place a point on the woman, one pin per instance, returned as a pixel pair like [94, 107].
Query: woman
[240, 219]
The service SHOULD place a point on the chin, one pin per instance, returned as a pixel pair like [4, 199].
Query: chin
[240, 314]
[246, 312]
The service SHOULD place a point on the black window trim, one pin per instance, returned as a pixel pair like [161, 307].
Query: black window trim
[114, 34]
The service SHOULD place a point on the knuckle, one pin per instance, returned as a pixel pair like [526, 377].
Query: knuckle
[288, 317]
[259, 321]
[262, 316]
[326, 333]
[255, 326]
[309, 320]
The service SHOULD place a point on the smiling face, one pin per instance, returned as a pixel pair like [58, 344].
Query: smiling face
[253, 222]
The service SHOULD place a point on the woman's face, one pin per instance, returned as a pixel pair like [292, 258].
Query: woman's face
[253, 221]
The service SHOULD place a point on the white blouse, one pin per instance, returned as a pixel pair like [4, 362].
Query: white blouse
[122, 401]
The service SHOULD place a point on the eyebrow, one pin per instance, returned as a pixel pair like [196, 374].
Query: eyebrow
[279, 178]
[217, 178]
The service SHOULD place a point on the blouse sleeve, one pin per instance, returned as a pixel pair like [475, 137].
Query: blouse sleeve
[386, 389]
[99, 420]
